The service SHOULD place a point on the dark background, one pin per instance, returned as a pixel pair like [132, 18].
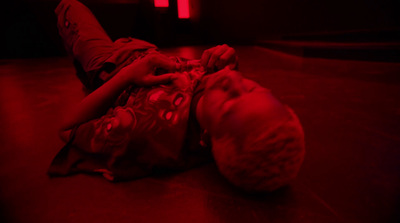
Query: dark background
[29, 26]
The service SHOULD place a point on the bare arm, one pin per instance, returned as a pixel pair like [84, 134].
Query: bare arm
[96, 104]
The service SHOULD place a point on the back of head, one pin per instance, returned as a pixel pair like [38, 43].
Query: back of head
[266, 158]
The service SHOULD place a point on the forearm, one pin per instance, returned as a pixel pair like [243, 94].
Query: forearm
[139, 73]
[98, 102]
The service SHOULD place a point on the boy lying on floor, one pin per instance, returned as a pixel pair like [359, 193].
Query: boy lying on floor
[150, 113]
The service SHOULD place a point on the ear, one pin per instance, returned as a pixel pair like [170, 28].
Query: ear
[205, 139]
[200, 113]
[223, 148]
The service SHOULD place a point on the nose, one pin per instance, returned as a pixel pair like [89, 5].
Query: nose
[236, 87]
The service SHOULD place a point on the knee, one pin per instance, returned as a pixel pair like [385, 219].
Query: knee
[67, 5]
[65, 22]
[67, 12]
[62, 6]
[61, 10]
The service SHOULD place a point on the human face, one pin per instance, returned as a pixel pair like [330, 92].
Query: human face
[234, 105]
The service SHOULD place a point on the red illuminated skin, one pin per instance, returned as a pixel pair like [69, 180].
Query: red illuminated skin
[140, 73]
[232, 105]
[216, 58]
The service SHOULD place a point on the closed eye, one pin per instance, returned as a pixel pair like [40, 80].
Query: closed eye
[227, 106]
[252, 88]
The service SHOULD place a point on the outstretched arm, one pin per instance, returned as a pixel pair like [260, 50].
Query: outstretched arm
[139, 73]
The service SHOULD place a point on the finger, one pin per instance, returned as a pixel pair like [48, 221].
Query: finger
[215, 56]
[206, 56]
[184, 66]
[194, 64]
[151, 80]
[226, 58]
[234, 65]
[164, 62]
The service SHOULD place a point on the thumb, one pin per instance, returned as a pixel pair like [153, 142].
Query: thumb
[160, 79]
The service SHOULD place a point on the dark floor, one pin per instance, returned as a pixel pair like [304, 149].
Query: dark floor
[350, 111]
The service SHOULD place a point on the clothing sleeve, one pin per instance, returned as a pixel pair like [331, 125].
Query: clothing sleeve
[107, 134]
[94, 145]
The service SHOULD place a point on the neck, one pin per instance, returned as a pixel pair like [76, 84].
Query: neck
[199, 112]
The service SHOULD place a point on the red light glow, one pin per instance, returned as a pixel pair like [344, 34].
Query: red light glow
[161, 3]
[183, 9]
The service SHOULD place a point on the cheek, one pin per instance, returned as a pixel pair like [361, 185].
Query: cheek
[215, 96]
[229, 126]
[211, 102]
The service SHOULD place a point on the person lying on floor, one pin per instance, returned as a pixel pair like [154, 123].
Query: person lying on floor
[154, 113]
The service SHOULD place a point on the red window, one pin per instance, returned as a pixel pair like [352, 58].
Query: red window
[161, 3]
[183, 9]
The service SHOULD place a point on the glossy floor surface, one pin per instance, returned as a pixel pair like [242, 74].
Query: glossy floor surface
[350, 111]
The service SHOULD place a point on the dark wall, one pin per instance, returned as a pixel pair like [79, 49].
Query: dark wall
[29, 26]
[22, 35]
[262, 19]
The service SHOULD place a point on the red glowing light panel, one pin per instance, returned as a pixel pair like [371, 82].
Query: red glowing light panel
[161, 3]
[183, 9]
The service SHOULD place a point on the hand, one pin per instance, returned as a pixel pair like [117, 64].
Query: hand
[218, 57]
[142, 71]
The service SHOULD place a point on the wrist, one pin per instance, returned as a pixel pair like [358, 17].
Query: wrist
[126, 76]
[121, 81]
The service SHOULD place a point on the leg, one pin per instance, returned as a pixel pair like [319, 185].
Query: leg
[83, 36]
